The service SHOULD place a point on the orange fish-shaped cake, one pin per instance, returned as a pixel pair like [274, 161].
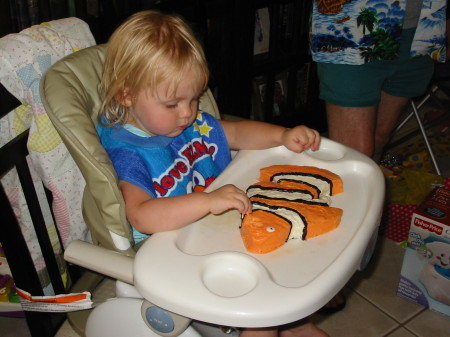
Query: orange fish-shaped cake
[290, 208]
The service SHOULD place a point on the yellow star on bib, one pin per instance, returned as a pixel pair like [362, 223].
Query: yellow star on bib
[204, 129]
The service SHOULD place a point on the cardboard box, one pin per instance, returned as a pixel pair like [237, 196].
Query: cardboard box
[425, 275]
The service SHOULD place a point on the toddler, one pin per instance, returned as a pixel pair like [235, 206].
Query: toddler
[165, 151]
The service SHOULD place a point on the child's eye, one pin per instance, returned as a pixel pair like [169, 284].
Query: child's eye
[172, 106]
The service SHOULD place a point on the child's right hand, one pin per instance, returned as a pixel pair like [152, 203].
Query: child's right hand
[229, 197]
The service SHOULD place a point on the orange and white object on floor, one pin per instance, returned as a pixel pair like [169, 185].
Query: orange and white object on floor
[57, 303]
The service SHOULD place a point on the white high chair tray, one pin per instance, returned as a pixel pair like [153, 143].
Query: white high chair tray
[204, 272]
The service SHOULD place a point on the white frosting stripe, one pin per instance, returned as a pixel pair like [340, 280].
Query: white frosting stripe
[278, 193]
[297, 221]
[322, 183]
[273, 193]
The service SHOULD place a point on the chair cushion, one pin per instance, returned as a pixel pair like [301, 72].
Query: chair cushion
[71, 96]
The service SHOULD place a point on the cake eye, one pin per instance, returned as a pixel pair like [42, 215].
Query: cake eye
[270, 229]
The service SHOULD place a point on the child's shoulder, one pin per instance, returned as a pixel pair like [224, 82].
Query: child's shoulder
[204, 116]
[206, 125]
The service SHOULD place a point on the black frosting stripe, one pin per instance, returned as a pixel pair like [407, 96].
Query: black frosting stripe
[317, 176]
[276, 214]
[274, 210]
[303, 182]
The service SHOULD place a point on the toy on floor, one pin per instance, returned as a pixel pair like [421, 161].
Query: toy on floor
[9, 300]
[4, 268]
[435, 275]
[8, 290]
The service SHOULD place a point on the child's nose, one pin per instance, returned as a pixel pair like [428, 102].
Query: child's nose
[185, 112]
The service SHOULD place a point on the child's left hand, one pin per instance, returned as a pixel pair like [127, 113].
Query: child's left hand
[301, 138]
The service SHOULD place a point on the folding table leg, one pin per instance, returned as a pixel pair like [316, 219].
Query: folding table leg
[425, 138]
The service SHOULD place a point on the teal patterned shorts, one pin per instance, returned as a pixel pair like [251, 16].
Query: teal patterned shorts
[361, 85]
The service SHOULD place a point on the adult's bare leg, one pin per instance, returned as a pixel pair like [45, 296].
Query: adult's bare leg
[259, 332]
[300, 329]
[352, 126]
[389, 110]
[303, 330]
[337, 303]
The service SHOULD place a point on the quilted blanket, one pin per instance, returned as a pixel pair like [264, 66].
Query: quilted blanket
[24, 58]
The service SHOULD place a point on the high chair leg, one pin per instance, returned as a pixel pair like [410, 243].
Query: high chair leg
[122, 317]
[87, 282]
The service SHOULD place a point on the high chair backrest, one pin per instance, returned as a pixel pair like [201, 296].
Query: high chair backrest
[71, 97]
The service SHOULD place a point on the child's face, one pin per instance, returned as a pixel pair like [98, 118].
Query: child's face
[165, 114]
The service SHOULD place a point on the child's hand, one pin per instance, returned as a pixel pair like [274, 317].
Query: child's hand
[301, 138]
[229, 197]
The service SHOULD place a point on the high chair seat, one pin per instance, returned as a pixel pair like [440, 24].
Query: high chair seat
[70, 94]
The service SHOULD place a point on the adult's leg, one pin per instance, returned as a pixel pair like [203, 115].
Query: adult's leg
[303, 330]
[259, 332]
[352, 126]
[337, 303]
[389, 110]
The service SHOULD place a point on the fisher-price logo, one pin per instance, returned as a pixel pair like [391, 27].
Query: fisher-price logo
[428, 226]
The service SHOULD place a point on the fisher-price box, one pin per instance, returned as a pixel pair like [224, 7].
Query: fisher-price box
[425, 275]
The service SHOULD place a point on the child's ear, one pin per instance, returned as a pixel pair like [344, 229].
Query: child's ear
[124, 97]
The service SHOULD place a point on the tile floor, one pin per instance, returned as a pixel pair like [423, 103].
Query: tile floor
[374, 310]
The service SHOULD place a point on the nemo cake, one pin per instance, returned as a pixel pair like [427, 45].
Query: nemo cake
[290, 202]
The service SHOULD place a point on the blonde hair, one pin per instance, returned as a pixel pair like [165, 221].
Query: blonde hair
[147, 49]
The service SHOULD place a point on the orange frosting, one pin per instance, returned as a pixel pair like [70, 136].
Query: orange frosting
[263, 232]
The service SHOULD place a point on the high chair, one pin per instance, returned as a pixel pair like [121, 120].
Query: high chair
[202, 271]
